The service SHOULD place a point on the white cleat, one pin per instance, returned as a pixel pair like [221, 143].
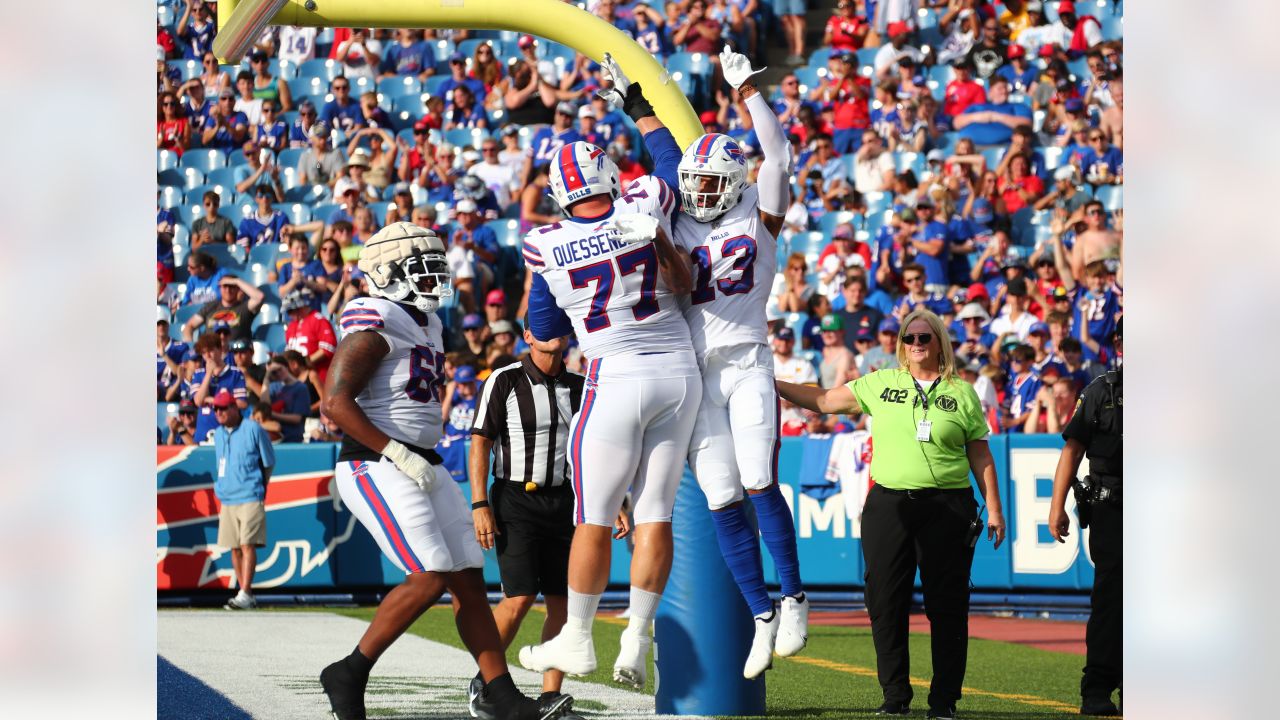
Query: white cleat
[761, 656]
[793, 634]
[572, 653]
[632, 654]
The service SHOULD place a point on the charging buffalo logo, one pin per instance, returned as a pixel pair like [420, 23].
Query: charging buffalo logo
[946, 402]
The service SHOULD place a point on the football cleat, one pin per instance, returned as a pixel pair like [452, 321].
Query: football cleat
[761, 656]
[346, 693]
[793, 633]
[629, 669]
[570, 652]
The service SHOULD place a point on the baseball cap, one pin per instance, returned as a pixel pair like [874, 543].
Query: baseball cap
[190, 355]
[924, 201]
[464, 374]
[1009, 342]
[708, 117]
[832, 323]
[1073, 105]
[502, 326]
[898, 28]
[907, 215]
[186, 407]
[785, 334]
[1012, 261]
[472, 321]
[227, 93]
[889, 325]
[1038, 327]
[223, 399]
[257, 55]
[1066, 172]
[466, 206]
[510, 130]
[1016, 51]
[496, 297]
[935, 155]
[864, 333]
[162, 314]
[525, 42]
[586, 111]
[306, 104]
[1060, 293]
[982, 212]
[1018, 287]
[219, 326]
[1035, 6]
[973, 310]
[344, 186]
[975, 291]
[264, 190]
[457, 57]
[319, 130]
[1066, 6]
[241, 345]
[567, 108]
[842, 231]
[423, 124]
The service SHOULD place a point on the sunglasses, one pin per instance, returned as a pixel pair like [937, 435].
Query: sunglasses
[917, 338]
[168, 103]
[341, 87]
[221, 409]
[912, 279]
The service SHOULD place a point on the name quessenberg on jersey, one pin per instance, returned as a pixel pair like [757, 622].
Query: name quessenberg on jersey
[580, 249]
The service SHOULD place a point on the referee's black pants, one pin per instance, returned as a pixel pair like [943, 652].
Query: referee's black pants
[1104, 661]
[901, 532]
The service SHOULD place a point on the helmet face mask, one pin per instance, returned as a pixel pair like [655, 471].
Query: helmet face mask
[712, 175]
[406, 264]
[581, 170]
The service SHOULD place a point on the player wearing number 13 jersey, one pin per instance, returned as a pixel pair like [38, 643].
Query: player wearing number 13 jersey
[729, 229]
[384, 391]
[609, 272]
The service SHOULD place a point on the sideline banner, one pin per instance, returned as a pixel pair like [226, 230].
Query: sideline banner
[314, 543]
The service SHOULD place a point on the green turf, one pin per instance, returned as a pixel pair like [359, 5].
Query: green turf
[809, 686]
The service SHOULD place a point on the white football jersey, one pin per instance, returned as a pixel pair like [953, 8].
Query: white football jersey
[612, 291]
[403, 396]
[734, 260]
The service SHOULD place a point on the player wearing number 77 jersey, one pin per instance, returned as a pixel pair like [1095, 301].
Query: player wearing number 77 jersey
[384, 390]
[610, 273]
[730, 232]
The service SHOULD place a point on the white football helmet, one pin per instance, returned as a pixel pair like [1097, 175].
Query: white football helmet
[581, 170]
[718, 157]
[406, 264]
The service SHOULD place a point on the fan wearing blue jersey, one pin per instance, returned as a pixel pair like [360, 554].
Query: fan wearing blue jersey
[610, 273]
[729, 228]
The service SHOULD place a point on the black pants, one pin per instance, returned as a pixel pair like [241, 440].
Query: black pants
[535, 530]
[899, 534]
[1103, 635]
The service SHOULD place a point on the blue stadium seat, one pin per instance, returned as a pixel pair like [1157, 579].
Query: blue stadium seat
[442, 50]
[1079, 67]
[926, 18]
[942, 73]
[181, 237]
[272, 335]
[191, 177]
[256, 273]
[203, 159]
[400, 85]
[288, 157]
[281, 68]
[807, 242]
[698, 64]
[465, 136]
[468, 47]
[308, 195]
[361, 85]
[877, 202]
[188, 69]
[1051, 156]
[810, 76]
[1112, 27]
[230, 257]
[188, 212]
[267, 314]
[867, 56]
[222, 176]
[993, 155]
[1110, 196]
[296, 212]
[547, 50]
[181, 316]
[688, 85]
[307, 86]
[322, 211]
[163, 412]
[171, 179]
[324, 68]
[379, 210]
[195, 196]
[827, 222]
[166, 160]
[818, 58]
[1022, 232]
[236, 158]
[242, 207]
[508, 232]
[267, 254]
[413, 103]
[912, 161]
[271, 294]
[796, 321]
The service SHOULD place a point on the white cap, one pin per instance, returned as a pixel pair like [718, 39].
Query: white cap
[466, 206]
[973, 310]
[344, 185]
[1065, 172]
[162, 314]
[586, 111]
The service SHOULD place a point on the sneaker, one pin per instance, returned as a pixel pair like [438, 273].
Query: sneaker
[242, 601]
[477, 704]
[793, 633]
[573, 653]
[629, 669]
[346, 693]
[549, 700]
[761, 656]
[893, 707]
[1101, 707]
[796, 60]
[526, 708]
[943, 713]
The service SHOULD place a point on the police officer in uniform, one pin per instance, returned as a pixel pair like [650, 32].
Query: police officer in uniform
[1096, 431]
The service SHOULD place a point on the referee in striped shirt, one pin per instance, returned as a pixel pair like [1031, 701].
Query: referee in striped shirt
[522, 421]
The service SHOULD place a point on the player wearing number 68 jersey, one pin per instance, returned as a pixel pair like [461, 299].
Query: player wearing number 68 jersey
[729, 229]
[609, 272]
[384, 390]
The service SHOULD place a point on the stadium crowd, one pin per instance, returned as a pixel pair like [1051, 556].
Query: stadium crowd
[960, 154]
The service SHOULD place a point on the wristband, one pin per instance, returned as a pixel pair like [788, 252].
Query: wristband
[634, 105]
[479, 504]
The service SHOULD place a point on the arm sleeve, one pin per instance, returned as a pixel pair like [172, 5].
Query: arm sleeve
[546, 319]
[773, 182]
[666, 157]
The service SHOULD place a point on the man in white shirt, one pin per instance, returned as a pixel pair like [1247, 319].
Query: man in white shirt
[788, 367]
[872, 165]
[1015, 318]
[886, 59]
[297, 44]
[498, 177]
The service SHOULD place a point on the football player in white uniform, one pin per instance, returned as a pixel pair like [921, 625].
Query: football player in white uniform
[384, 390]
[610, 273]
[729, 228]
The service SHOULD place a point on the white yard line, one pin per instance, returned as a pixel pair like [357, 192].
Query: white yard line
[269, 664]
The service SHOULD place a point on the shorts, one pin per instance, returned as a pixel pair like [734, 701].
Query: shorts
[418, 531]
[242, 524]
[633, 432]
[847, 140]
[790, 7]
[735, 438]
[535, 530]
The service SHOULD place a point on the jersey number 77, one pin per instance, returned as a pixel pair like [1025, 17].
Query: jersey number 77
[644, 260]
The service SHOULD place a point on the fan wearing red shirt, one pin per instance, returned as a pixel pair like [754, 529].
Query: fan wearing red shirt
[846, 32]
[851, 115]
[1019, 186]
[962, 91]
[308, 332]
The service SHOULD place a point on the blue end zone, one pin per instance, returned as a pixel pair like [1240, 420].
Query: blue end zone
[180, 695]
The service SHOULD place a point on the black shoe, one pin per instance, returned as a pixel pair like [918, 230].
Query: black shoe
[1102, 707]
[549, 702]
[346, 693]
[477, 704]
[947, 712]
[526, 708]
[893, 707]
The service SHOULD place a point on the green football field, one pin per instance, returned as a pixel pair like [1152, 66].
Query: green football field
[834, 677]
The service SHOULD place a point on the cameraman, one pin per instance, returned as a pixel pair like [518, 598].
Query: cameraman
[1096, 430]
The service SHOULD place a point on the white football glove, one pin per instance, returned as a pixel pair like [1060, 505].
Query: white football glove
[736, 67]
[410, 463]
[636, 229]
[610, 72]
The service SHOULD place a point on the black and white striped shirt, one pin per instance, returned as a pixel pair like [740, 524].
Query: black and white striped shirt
[526, 414]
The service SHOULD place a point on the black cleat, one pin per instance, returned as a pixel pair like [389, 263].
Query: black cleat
[551, 701]
[346, 693]
[947, 712]
[477, 704]
[893, 707]
[1100, 707]
[526, 708]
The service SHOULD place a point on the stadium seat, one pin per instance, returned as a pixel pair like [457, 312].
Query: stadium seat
[468, 47]
[267, 254]
[244, 206]
[261, 353]
[181, 316]
[271, 293]
[296, 212]
[993, 155]
[308, 195]
[1022, 232]
[1112, 27]
[412, 103]
[181, 236]
[877, 201]
[256, 273]
[547, 50]
[796, 321]
[166, 160]
[465, 136]
[306, 86]
[203, 159]
[1110, 196]
[1051, 156]
[188, 69]
[187, 213]
[269, 313]
[163, 412]
[221, 176]
[170, 195]
[443, 49]
[948, 141]
[288, 157]
[322, 211]
[272, 335]
[324, 68]
[236, 158]
[912, 161]
[810, 77]
[818, 58]
[400, 85]
[828, 221]
[379, 210]
[361, 85]
[229, 257]
[508, 232]
[807, 242]
[1079, 67]
[867, 57]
